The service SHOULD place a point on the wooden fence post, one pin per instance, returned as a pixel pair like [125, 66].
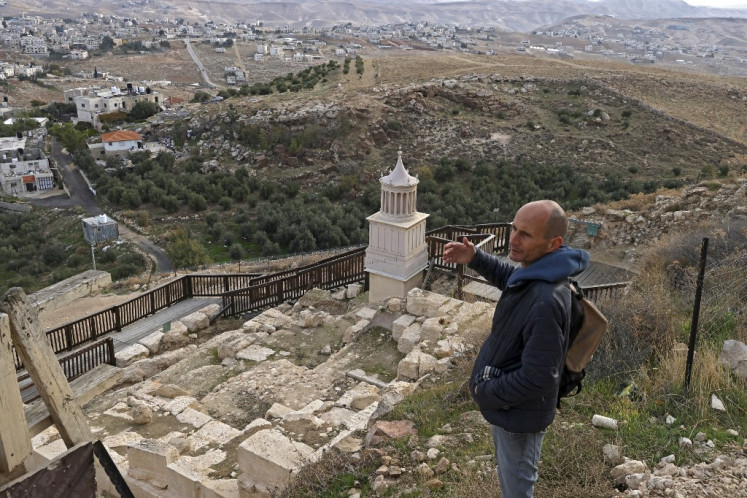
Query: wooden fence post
[44, 369]
[15, 444]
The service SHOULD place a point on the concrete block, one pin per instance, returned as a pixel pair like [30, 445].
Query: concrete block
[131, 354]
[269, 458]
[152, 341]
[400, 324]
[148, 459]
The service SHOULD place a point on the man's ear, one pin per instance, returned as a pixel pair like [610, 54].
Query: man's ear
[555, 243]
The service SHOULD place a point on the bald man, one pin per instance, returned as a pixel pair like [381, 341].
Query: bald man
[517, 371]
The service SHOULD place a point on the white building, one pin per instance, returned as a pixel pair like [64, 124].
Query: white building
[397, 253]
[121, 142]
[23, 170]
[90, 103]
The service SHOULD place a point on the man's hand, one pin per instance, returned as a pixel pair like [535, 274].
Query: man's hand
[459, 252]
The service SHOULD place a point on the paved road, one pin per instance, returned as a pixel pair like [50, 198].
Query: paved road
[81, 195]
[197, 60]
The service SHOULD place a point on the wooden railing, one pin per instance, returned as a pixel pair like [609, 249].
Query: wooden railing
[275, 289]
[74, 365]
[439, 237]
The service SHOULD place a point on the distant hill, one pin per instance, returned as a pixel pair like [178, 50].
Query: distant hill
[514, 15]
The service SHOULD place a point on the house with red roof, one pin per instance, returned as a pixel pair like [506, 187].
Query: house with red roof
[117, 143]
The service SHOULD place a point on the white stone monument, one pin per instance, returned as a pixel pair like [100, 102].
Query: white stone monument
[397, 253]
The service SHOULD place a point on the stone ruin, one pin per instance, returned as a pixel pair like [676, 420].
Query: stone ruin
[178, 424]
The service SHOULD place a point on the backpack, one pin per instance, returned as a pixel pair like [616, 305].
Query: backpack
[588, 326]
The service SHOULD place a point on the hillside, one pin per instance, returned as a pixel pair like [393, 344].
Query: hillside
[514, 15]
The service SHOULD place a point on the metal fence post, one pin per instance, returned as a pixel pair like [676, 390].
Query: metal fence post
[696, 313]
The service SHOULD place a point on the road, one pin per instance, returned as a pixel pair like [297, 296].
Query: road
[81, 195]
[197, 60]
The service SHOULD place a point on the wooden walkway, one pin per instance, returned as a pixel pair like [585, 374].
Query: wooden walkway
[596, 274]
[132, 333]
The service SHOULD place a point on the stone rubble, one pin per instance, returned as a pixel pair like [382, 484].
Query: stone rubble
[303, 417]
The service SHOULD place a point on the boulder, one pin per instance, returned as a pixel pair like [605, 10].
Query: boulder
[131, 354]
[196, 321]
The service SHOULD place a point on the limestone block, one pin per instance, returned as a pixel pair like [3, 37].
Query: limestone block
[131, 354]
[449, 346]
[148, 459]
[270, 458]
[352, 290]
[395, 304]
[352, 332]
[301, 423]
[256, 425]
[250, 489]
[179, 404]
[185, 478]
[178, 327]
[337, 416]
[432, 328]
[52, 450]
[121, 440]
[415, 365]
[450, 307]
[277, 411]
[360, 396]
[339, 295]
[442, 365]
[214, 432]
[312, 318]
[409, 338]
[152, 341]
[220, 488]
[427, 364]
[139, 488]
[423, 303]
[196, 321]
[255, 353]
[193, 417]
[173, 340]
[230, 348]
[734, 354]
[365, 313]
[165, 360]
[400, 324]
[169, 391]
[120, 410]
[210, 310]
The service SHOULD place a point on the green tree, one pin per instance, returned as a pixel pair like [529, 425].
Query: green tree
[143, 110]
[184, 251]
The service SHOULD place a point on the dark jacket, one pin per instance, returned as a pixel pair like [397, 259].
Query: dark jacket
[528, 340]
